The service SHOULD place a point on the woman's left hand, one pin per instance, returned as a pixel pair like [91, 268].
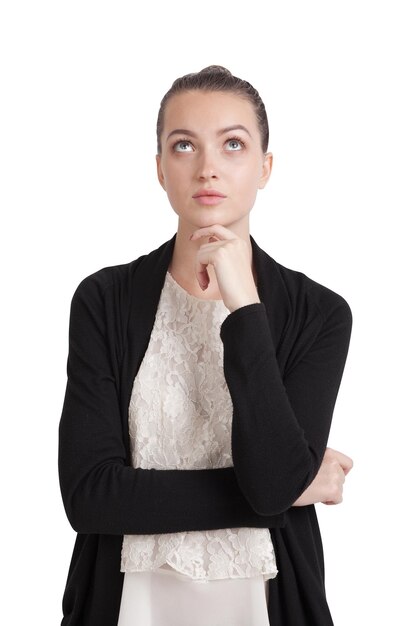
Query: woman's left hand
[230, 257]
[327, 486]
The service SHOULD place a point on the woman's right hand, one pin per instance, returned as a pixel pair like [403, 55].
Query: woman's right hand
[327, 487]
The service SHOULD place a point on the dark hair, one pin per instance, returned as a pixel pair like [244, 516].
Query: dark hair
[216, 78]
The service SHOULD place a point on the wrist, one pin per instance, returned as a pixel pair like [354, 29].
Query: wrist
[244, 302]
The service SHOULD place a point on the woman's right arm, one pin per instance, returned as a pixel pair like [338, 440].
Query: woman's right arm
[101, 492]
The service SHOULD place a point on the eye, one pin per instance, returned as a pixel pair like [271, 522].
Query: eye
[234, 144]
[182, 146]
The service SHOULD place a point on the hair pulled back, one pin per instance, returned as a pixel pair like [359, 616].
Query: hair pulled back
[216, 78]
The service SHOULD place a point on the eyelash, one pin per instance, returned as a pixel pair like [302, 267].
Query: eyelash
[226, 141]
[236, 139]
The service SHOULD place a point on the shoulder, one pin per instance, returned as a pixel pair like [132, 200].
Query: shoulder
[316, 316]
[104, 295]
[305, 292]
[120, 278]
[109, 277]
[297, 294]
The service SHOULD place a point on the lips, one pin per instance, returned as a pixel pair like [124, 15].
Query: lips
[208, 192]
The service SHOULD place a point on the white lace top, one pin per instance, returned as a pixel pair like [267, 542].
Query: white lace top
[180, 417]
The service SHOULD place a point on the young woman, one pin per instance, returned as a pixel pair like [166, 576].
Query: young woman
[202, 379]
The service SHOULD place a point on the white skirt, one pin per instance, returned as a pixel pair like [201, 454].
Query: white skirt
[165, 597]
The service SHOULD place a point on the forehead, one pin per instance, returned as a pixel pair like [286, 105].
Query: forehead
[208, 110]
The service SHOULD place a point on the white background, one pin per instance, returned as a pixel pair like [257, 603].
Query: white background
[81, 84]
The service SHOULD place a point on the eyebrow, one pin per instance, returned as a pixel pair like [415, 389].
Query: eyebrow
[184, 131]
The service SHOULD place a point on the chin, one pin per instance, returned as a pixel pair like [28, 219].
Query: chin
[202, 219]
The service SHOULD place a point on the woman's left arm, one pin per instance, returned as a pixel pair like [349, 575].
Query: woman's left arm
[280, 427]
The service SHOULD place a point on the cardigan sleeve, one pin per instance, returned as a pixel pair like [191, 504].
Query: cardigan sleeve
[280, 426]
[101, 492]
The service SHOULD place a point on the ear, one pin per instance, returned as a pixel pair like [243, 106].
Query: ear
[159, 171]
[266, 170]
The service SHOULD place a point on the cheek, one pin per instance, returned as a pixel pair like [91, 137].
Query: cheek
[178, 171]
[248, 175]
[172, 180]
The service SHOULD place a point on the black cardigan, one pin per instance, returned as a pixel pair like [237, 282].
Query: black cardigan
[283, 362]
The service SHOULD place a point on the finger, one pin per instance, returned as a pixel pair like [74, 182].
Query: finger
[345, 461]
[215, 229]
[214, 233]
[202, 261]
[336, 498]
[203, 278]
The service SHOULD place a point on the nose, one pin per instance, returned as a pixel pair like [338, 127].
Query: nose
[207, 165]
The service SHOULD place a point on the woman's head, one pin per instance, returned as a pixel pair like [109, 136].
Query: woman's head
[216, 78]
[212, 137]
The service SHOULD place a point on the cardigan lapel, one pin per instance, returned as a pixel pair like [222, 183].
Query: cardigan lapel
[146, 287]
[273, 293]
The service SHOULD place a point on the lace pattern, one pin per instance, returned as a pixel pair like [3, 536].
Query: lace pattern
[180, 417]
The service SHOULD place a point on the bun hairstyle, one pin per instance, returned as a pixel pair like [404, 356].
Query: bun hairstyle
[216, 78]
[210, 69]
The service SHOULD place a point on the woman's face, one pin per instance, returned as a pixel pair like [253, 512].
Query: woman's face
[211, 141]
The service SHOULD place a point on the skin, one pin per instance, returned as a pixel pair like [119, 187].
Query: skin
[217, 262]
[212, 256]
[327, 487]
